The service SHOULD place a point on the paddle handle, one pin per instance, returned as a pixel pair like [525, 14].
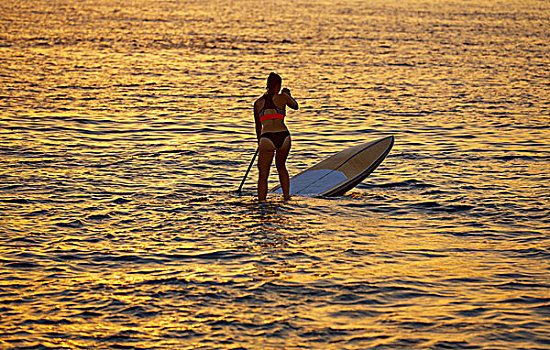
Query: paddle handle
[248, 170]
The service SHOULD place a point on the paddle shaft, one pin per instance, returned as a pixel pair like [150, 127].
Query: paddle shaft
[248, 170]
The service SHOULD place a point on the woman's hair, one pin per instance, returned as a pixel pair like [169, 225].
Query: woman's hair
[273, 80]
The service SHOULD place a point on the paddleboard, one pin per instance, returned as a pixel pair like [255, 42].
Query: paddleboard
[340, 172]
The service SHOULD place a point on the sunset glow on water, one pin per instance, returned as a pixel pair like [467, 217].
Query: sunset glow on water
[126, 128]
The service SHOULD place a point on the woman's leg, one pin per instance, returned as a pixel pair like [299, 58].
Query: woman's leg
[265, 158]
[280, 161]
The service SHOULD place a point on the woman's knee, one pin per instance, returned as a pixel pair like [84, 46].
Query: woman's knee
[281, 165]
[263, 173]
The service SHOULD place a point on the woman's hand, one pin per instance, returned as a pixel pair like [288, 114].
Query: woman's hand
[291, 102]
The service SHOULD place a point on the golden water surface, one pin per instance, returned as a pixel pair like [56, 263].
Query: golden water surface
[126, 127]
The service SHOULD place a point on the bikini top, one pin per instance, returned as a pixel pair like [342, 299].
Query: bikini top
[270, 106]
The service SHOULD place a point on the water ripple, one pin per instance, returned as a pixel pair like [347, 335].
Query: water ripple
[126, 132]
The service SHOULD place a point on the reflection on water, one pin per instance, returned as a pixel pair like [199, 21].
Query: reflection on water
[125, 131]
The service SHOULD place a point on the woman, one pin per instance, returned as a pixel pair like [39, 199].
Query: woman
[272, 133]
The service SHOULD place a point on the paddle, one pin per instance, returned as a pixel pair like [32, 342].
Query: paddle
[248, 170]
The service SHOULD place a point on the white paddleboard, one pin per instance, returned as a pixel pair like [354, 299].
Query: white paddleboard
[341, 171]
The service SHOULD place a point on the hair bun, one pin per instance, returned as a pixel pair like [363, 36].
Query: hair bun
[273, 80]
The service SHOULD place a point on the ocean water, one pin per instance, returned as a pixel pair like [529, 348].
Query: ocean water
[126, 127]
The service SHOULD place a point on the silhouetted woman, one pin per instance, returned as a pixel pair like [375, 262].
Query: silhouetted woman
[273, 135]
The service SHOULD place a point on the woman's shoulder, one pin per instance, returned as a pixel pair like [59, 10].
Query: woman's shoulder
[260, 101]
[280, 99]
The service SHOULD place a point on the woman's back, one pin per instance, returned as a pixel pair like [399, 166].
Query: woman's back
[272, 104]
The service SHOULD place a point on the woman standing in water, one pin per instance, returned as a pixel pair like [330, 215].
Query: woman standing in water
[272, 133]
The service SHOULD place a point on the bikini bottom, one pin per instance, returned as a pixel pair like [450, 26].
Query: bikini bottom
[278, 138]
